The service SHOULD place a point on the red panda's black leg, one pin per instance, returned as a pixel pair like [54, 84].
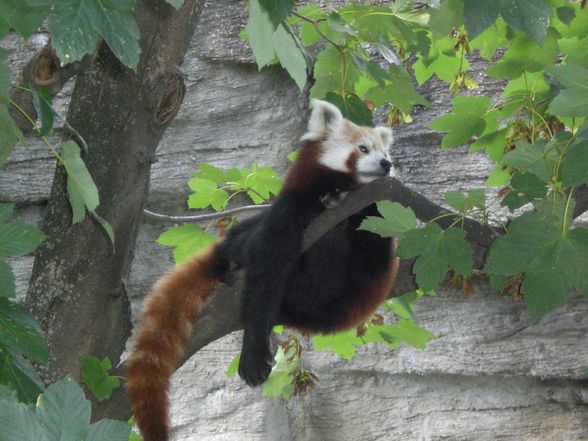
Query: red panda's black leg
[272, 252]
[265, 281]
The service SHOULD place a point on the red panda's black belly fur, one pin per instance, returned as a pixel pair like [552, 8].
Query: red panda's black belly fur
[340, 280]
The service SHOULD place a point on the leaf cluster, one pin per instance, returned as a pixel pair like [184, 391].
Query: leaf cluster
[357, 66]
[289, 378]
[21, 339]
[60, 413]
[215, 188]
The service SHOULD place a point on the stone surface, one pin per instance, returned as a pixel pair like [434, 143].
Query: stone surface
[490, 374]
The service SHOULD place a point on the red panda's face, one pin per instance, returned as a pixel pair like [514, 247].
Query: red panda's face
[347, 147]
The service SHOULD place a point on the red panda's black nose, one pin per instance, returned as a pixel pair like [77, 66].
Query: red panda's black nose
[386, 165]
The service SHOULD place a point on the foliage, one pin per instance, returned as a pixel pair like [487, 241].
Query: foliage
[20, 335]
[215, 188]
[95, 376]
[344, 70]
[289, 378]
[534, 133]
[60, 413]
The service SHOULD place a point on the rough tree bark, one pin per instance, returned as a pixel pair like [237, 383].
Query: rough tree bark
[77, 289]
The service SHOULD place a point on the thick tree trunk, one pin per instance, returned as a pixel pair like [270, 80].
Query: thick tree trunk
[77, 289]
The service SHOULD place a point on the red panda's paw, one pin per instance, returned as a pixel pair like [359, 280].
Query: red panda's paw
[255, 366]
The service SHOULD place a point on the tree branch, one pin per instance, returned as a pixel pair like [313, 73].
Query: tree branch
[222, 313]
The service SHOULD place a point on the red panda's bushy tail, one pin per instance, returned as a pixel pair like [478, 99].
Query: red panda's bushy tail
[165, 327]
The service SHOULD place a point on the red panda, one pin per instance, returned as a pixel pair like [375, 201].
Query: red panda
[335, 284]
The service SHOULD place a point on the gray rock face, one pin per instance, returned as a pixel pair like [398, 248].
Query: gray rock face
[489, 375]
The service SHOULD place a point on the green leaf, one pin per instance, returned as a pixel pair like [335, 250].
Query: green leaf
[337, 24]
[20, 333]
[109, 430]
[328, 71]
[462, 203]
[528, 16]
[21, 16]
[448, 17]
[4, 26]
[64, 411]
[402, 305]
[352, 108]
[268, 44]
[293, 155]
[278, 10]
[6, 210]
[42, 103]
[7, 284]
[10, 134]
[526, 187]
[573, 99]
[21, 376]
[77, 25]
[211, 173]
[579, 25]
[525, 55]
[566, 14]
[409, 332]
[260, 183]
[479, 15]
[291, 57]
[18, 239]
[309, 36]
[344, 344]
[5, 82]
[279, 383]
[176, 3]
[187, 239]
[96, 378]
[105, 226]
[233, 366]
[206, 193]
[80, 185]
[540, 158]
[398, 90]
[466, 120]
[8, 394]
[576, 50]
[19, 423]
[374, 22]
[456, 200]
[574, 170]
[260, 32]
[441, 61]
[499, 176]
[395, 220]
[552, 261]
[437, 250]
[491, 39]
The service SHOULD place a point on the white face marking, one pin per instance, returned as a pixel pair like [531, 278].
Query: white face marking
[347, 147]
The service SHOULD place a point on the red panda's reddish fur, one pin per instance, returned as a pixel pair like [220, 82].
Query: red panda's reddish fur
[165, 329]
[262, 246]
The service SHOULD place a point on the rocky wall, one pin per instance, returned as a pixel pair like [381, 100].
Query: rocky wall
[490, 375]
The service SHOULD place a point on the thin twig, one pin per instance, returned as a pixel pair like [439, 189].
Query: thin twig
[317, 28]
[199, 217]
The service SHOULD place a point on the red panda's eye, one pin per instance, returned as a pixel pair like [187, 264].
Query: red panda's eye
[363, 149]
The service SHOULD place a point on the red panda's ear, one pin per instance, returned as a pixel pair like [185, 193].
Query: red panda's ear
[324, 117]
[386, 134]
